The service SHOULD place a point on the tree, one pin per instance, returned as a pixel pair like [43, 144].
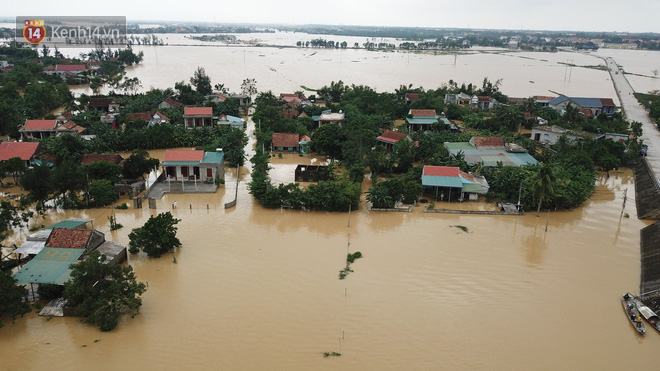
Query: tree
[201, 81]
[138, 163]
[104, 170]
[543, 184]
[156, 236]
[101, 292]
[249, 88]
[38, 181]
[102, 192]
[14, 166]
[11, 297]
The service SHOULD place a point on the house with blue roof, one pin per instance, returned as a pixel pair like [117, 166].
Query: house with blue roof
[489, 151]
[451, 181]
[593, 106]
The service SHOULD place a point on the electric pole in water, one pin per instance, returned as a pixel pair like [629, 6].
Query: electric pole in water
[625, 198]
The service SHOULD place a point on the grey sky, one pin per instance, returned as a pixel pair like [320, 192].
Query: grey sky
[590, 15]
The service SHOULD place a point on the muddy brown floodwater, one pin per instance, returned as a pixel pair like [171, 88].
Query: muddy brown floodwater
[258, 289]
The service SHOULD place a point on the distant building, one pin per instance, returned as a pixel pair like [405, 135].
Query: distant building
[285, 142]
[169, 102]
[389, 138]
[38, 129]
[327, 117]
[460, 99]
[490, 151]
[594, 105]
[105, 105]
[451, 180]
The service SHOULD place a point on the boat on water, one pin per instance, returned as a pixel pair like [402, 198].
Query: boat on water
[648, 314]
[630, 307]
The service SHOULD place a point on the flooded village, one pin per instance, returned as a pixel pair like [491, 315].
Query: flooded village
[449, 277]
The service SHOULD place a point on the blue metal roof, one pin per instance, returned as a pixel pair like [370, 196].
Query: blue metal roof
[50, 265]
[441, 181]
[582, 102]
[490, 157]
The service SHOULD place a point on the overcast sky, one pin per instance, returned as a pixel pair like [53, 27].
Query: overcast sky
[576, 15]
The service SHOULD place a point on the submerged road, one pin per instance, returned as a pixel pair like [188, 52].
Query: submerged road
[633, 111]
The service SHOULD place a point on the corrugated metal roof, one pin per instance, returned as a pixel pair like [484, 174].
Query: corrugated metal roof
[51, 265]
[490, 157]
[213, 158]
[70, 223]
[458, 145]
[422, 120]
[441, 181]
[30, 248]
[472, 188]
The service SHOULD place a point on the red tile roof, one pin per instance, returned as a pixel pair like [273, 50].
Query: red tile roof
[587, 112]
[184, 155]
[221, 97]
[198, 111]
[289, 114]
[441, 171]
[540, 97]
[488, 142]
[69, 238]
[40, 124]
[24, 150]
[607, 102]
[285, 140]
[484, 98]
[112, 158]
[70, 125]
[305, 138]
[423, 112]
[144, 116]
[163, 117]
[411, 97]
[172, 102]
[466, 176]
[101, 102]
[70, 67]
[391, 136]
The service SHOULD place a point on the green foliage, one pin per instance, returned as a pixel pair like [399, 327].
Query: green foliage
[138, 163]
[102, 192]
[104, 170]
[38, 181]
[12, 296]
[50, 291]
[14, 166]
[201, 81]
[101, 292]
[157, 236]
[351, 257]
[331, 354]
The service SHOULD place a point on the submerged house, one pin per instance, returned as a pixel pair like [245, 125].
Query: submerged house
[38, 129]
[285, 142]
[453, 182]
[193, 165]
[389, 138]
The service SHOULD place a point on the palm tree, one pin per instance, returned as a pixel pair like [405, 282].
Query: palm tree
[543, 184]
[529, 105]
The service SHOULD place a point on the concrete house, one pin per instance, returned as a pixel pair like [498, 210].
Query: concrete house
[38, 129]
[389, 138]
[159, 118]
[594, 105]
[452, 183]
[26, 151]
[169, 102]
[285, 142]
[490, 151]
[196, 117]
[193, 165]
[461, 99]
[105, 105]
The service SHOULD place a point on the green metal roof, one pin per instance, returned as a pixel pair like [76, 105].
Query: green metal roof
[50, 265]
[423, 120]
[472, 188]
[458, 145]
[490, 157]
[68, 224]
[441, 181]
[213, 158]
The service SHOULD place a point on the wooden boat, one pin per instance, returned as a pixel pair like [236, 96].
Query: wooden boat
[648, 314]
[630, 307]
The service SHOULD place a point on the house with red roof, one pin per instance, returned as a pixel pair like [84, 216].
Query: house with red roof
[103, 104]
[411, 97]
[218, 98]
[64, 70]
[144, 116]
[181, 164]
[169, 102]
[197, 117]
[452, 183]
[389, 138]
[38, 129]
[69, 128]
[285, 142]
[159, 118]
[75, 238]
[26, 151]
[293, 100]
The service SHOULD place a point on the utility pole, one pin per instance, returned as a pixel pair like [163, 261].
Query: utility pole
[625, 198]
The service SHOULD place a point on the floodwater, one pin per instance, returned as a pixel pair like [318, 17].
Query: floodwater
[259, 289]
[287, 69]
